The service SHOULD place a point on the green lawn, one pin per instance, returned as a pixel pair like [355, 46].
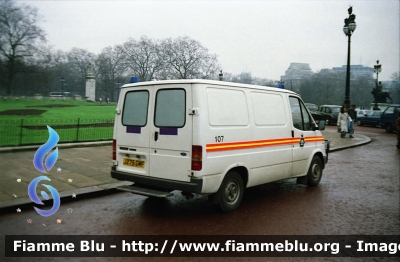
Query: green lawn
[78, 109]
[80, 121]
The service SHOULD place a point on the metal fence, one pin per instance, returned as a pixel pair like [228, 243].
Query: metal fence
[33, 131]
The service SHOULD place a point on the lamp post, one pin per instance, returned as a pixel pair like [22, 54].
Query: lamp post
[348, 29]
[377, 70]
[62, 80]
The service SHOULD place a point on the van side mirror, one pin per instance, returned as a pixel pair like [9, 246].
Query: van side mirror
[321, 125]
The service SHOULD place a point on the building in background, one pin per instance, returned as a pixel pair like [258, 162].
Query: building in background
[295, 74]
[356, 71]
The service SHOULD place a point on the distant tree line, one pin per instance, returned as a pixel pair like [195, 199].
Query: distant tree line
[328, 87]
[28, 66]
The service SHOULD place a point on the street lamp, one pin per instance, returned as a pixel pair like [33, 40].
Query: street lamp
[348, 29]
[62, 80]
[377, 70]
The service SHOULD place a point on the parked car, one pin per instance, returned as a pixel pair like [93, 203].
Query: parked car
[389, 116]
[330, 113]
[372, 118]
[311, 107]
[362, 112]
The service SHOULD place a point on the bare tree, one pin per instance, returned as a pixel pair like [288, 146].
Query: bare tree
[40, 72]
[111, 68]
[187, 58]
[75, 69]
[19, 34]
[142, 57]
[324, 87]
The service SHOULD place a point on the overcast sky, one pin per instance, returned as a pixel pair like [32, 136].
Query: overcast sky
[262, 37]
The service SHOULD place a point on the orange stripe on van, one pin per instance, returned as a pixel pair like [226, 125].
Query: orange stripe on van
[260, 143]
[314, 139]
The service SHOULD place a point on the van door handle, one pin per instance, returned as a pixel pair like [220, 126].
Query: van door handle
[155, 136]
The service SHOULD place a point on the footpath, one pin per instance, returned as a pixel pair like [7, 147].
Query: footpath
[85, 168]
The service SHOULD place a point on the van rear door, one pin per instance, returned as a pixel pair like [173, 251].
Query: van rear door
[133, 131]
[155, 132]
[171, 132]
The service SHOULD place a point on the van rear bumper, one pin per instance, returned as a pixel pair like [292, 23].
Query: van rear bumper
[194, 186]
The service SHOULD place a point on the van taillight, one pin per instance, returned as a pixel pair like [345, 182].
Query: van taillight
[197, 156]
[114, 150]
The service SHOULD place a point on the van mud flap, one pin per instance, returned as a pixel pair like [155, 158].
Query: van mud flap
[144, 191]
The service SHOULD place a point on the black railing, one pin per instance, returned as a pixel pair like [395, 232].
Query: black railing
[33, 131]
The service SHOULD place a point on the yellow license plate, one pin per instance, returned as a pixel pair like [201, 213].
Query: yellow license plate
[133, 162]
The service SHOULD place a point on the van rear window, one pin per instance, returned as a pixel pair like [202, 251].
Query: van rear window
[135, 108]
[170, 108]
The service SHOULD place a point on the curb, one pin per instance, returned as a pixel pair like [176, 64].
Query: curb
[365, 141]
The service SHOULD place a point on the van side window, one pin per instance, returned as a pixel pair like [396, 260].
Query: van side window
[135, 108]
[269, 109]
[170, 108]
[227, 112]
[300, 116]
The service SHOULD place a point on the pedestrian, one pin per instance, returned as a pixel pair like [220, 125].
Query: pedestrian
[100, 99]
[353, 114]
[343, 121]
[108, 100]
[398, 128]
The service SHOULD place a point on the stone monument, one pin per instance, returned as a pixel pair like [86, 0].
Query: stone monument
[380, 96]
[90, 84]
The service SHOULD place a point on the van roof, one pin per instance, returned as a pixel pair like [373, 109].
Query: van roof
[204, 81]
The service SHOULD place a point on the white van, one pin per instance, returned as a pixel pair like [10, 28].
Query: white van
[213, 137]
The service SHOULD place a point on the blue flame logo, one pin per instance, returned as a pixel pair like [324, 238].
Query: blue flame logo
[44, 149]
[49, 162]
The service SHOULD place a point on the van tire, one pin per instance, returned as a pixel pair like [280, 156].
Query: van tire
[314, 172]
[230, 193]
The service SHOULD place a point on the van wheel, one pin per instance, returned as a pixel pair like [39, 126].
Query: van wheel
[230, 193]
[315, 172]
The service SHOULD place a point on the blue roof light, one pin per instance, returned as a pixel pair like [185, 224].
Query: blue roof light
[134, 79]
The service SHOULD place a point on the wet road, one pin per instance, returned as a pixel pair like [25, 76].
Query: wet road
[358, 195]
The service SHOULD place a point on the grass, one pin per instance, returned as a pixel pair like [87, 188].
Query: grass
[83, 121]
[79, 109]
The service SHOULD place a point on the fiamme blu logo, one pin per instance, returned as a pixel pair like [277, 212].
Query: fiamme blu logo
[44, 161]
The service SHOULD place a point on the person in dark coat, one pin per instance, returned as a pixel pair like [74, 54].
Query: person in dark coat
[353, 114]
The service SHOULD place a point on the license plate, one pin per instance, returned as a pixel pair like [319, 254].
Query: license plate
[133, 162]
